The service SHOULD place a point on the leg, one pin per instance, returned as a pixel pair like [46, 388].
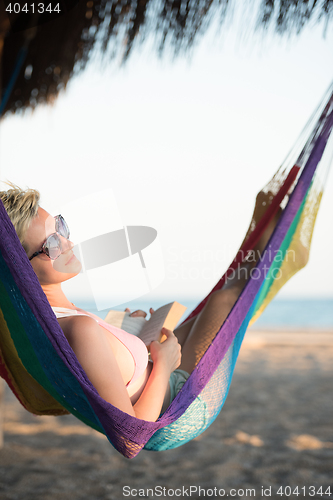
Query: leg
[182, 331]
[206, 325]
[242, 273]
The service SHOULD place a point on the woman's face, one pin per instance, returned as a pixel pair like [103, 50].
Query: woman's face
[50, 271]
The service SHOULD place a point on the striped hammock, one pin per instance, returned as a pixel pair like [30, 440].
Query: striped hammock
[43, 372]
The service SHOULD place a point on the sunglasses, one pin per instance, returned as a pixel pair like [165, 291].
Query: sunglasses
[52, 245]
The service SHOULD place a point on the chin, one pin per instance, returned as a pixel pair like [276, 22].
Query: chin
[70, 270]
[74, 267]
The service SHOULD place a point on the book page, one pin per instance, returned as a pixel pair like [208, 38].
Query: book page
[115, 318]
[123, 320]
[167, 316]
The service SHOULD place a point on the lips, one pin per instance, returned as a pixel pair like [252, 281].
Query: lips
[70, 260]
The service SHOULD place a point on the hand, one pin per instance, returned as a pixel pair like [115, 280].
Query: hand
[139, 313]
[169, 352]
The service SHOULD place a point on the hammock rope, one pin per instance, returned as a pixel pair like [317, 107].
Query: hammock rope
[45, 375]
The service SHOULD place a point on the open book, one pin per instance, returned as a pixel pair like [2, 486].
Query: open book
[148, 330]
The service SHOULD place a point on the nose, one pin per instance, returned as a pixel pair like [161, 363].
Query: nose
[66, 244]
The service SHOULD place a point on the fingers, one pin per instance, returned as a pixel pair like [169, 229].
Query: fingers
[169, 338]
[168, 352]
[167, 333]
[140, 313]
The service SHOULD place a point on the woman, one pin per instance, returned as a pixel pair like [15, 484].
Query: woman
[117, 362]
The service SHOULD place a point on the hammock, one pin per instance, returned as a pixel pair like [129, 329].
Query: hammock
[43, 372]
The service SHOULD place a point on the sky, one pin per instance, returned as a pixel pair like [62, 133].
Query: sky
[184, 145]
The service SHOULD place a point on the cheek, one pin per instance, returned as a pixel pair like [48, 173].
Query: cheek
[45, 272]
[52, 272]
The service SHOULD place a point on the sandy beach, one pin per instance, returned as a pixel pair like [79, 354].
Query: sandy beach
[274, 431]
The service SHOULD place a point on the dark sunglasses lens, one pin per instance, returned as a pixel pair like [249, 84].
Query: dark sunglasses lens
[62, 227]
[53, 246]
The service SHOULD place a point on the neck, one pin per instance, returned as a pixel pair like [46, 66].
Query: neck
[56, 296]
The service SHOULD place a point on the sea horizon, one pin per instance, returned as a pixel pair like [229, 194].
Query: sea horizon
[282, 313]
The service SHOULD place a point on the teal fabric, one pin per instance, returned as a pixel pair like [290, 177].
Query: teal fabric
[176, 381]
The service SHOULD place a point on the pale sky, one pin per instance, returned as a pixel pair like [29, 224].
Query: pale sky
[185, 146]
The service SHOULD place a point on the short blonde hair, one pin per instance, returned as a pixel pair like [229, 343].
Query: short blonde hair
[22, 207]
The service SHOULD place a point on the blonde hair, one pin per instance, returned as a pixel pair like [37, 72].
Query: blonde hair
[22, 207]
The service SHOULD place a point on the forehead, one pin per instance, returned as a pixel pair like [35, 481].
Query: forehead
[40, 228]
[45, 221]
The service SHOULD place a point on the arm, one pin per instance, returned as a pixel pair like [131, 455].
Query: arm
[166, 358]
[97, 358]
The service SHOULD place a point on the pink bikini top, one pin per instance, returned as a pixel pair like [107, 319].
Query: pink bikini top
[135, 345]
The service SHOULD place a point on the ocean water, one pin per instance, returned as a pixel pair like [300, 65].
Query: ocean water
[285, 314]
[297, 313]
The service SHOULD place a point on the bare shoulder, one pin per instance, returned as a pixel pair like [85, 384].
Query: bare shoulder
[73, 326]
[94, 353]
